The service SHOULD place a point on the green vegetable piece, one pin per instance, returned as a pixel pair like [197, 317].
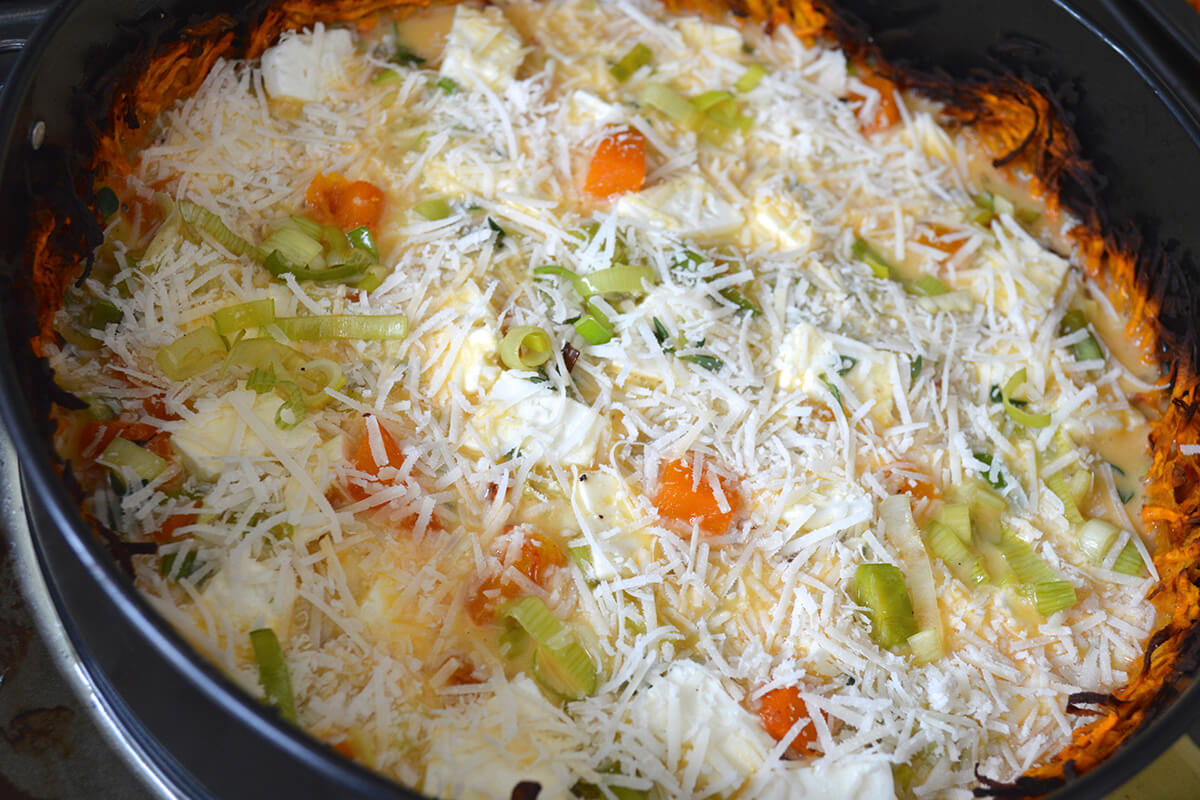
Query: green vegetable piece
[433, 210]
[501, 234]
[1096, 538]
[525, 347]
[369, 327]
[671, 103]
[750, 78]
[385, 76]
[927, 286]
[254, 314]
[295, 246]
[103, 314]
[273, 672]
[1059, 484]
[661, 334]
[404, 56]
[447, 85]
[946, 544]
[1129, 560]
[638, 56]
[1087, 349]
[187, 567]
[122, 454]
[1050, 596]
[360, 239]
[986, 460]
[864, 252]
[1024, 560]
[560, 664]
[1016, 413]
[107, 202]
[881, 589]
[191, 354]
[914, 367]
[744, 303]
[846, 363]
[211, 224]
[710, 363]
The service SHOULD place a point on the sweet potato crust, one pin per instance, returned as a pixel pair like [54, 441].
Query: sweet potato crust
[1018, 122]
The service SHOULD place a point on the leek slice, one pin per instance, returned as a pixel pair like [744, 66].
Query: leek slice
[956, 517]
[1024, 560]
[880, 588]
[121, 454]
[895, 513]
[1051, 596]
[273, 672]
[254, 314]
[1061, 487]
[594, 326]
[525, 347]
[1129, 560]
[1086, 349]
[360, 239]
[638, 56]
[864, 252]
[675, 106]
[560, 664]
[706, 100]
[952, 550]
[750, 78]
[191, 354]
[927, 286]
[617, 278]
[295, 246]
[1096, 538]
[317, 375]
[211, 224]
[433, 210]
[1020, 415]
[378, 327]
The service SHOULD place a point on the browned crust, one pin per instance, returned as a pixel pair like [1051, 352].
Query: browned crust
[1018, 123]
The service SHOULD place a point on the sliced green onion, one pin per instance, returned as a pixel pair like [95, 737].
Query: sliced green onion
[1087, 349]
[295, 246]
[1096, 538]
[1024, 560]
[956, 517]
[211, 224]
[895, 513]
[945, 543]
[123, 454]
[1020, 415]
[447, 85]
[864, 252]
[880, 588]
[317, 375]
[261, 380]
[1129, 560]
[273, 672]
[360, 239]
[308, 226]
[927, 286]
[254, 314]
[525, 347]
[638, 56]
[191, 354]
[293, 409]
[675, 106]
[845, 364]
[1050, 596]
[750, 78]
[266, 354]
[376, 327]
[433, 210]
[277, 265]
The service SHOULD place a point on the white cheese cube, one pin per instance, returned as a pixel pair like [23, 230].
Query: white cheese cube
[306, 66]
[705, 37]
[808, 357]
[482, 49]
[689, 704]
[522, 738]
[778, 220]
[474, 368]
[603, 504]
[537, 420]
[850, 779]
[687, 205]
[586, 108]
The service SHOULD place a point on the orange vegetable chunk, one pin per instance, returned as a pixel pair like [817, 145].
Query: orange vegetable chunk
[682, 499]
[363, 458]
[888, 113]
[619, 164]
[333, 200]
[780, 710]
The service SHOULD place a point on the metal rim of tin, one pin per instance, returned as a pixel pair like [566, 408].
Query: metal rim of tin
[63, 653]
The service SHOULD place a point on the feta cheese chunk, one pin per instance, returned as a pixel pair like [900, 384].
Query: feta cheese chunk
[537, 420]
[687, 205]
[306, 66]
[691, 717]
[603, 505]
[810, 360]
[482, 49]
